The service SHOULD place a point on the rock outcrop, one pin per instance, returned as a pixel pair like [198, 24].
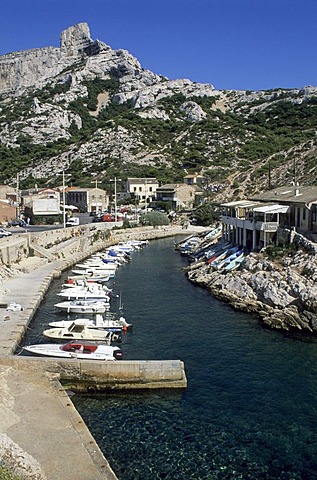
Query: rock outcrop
[283, 294]
[83, 57]
[65, 95]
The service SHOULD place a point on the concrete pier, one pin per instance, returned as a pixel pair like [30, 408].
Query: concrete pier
[37, 415]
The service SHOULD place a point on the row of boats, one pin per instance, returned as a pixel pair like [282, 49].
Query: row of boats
[85, 292]
[209, 248]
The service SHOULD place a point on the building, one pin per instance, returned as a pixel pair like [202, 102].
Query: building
[254, 223]
[181, 195]
[8, 193]
[194, 179]
[141, 190]
[302, 201]
[9, 207]
[8, 211]
[251, 224]
[42, 203]
[88, 199]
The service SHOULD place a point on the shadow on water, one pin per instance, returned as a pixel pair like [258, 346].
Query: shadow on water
[249, 411]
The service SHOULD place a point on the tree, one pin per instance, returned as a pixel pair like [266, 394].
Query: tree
[206, 214]
[154, 219]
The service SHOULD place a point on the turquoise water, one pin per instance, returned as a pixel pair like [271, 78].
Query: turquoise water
[249, 411]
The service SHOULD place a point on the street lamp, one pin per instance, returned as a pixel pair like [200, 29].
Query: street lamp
[115, 197]
[64, 200]
[64, 209]
[18, 196]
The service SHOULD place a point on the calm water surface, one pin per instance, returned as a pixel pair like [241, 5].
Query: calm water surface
[250, 409]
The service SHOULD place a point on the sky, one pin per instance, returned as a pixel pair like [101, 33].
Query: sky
[231, 44]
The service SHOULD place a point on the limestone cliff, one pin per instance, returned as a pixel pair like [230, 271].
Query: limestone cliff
[86, 104]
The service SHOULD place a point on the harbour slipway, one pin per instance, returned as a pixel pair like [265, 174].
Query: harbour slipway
[38, 419]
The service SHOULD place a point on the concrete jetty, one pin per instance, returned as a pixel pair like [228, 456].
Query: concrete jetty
[38, 419]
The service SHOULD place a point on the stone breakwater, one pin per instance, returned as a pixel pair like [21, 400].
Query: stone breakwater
[282, 292]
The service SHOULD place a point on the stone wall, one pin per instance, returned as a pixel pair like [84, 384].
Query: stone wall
[100, 375]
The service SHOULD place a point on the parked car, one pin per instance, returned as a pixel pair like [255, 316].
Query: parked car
[4, 233]
[17, 223]
[72, 222]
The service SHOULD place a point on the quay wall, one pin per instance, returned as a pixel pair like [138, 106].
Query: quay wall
[85, 240]
[88, 375]
[33, 386]
[72, 249]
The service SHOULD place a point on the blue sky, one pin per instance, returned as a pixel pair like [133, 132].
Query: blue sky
[233, 44]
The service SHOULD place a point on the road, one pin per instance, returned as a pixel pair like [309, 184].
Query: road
[84, 218]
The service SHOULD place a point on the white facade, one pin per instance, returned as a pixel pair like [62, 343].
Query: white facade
[45, 202]
[142, 189]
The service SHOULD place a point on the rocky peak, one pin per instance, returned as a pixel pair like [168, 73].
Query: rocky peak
[35, 67]
[75, 39]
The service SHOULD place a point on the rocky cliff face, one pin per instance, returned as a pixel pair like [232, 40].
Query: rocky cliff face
[86, 104]
[86, 59]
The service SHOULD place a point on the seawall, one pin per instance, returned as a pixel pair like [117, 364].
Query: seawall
[38, 417]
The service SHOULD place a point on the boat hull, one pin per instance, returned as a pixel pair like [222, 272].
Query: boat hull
[51, 350]
[81, 307]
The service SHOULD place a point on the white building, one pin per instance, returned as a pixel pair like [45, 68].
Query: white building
[142, 190]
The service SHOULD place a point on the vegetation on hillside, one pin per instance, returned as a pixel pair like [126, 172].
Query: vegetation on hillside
[246, 142]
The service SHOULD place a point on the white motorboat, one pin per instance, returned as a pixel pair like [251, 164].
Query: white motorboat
[83, 306]
[79, 331]
[107, 322]
[97, 265]
[91, 292]
[76, 349]
[98, 277]
[94, 272]
[73, 283]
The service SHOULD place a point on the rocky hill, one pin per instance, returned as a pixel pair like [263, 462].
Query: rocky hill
[88, 109]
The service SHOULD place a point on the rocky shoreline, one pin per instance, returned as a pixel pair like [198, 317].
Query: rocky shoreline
[283, 292]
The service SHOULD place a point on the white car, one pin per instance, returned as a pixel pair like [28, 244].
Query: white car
[72, 222]
[4, 233]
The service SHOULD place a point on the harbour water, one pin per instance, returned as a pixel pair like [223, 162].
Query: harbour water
[250, 409]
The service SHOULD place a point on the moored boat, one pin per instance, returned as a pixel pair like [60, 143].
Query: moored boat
[83, 306]
[95, 272]
[234, 264]
[90, 292]
[79, 331]
[107, 322]
[76, 349]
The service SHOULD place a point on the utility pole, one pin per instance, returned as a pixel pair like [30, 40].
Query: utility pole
[64, 206]
[18, 196]
[294, 172]
[115, 197]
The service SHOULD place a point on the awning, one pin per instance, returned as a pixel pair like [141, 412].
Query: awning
[272, 209]
[70, 207]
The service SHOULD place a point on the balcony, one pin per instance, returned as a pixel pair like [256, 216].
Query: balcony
[267, 226]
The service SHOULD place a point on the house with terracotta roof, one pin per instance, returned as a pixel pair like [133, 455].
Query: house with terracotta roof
[181, 195]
